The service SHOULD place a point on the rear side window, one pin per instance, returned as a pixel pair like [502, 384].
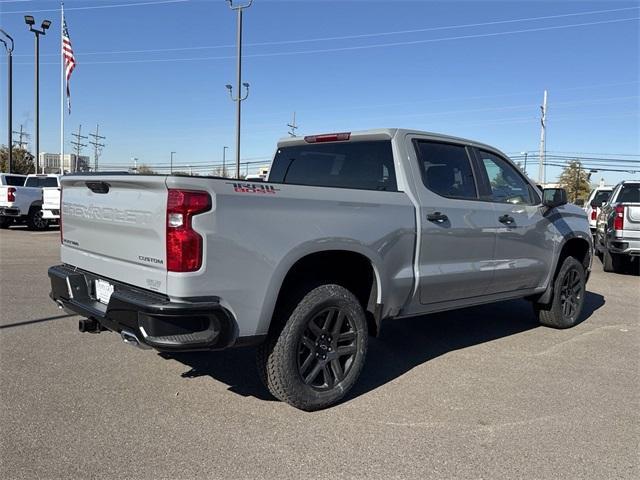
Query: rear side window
[446, 169]
[366, 165]
[13, 180]
[629, 193]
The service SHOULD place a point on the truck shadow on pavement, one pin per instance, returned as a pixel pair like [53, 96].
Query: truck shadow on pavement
[403, 345]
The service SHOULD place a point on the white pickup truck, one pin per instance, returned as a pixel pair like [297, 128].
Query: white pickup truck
[24, 203]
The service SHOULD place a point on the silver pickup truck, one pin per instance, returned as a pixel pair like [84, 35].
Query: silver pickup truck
[618, 228]
[348, 231]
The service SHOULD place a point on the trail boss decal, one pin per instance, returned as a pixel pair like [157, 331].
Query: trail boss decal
[253, 188]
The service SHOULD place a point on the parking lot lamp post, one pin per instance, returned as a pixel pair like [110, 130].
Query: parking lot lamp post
[171, 168]
[29, 20]
[9, 49]
[240, 98]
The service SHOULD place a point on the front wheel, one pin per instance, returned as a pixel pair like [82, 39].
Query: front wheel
[569, 289]
[318, 355]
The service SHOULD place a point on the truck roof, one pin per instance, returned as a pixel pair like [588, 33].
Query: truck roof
[389, 133]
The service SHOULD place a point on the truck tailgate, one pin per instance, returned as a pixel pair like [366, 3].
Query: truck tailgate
[114, 226]
[51, 198]
[632, 222]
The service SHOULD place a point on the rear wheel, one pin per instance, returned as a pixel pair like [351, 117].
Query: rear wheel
[568, 296]
[318, 355]
[35, 220]
[5, 222]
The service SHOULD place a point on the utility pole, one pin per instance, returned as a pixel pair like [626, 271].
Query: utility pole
[240, 98]
[171, 164]
[22, 144]
[9, 49]
[525, 161]
[575, 196]
[78, 145]
[97, 146]
[543, 133]
[292, 126]
[224, 161]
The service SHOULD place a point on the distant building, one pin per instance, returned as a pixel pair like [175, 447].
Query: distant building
[71, 162]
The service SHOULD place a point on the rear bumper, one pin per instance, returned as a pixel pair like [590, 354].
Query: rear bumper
[625, 246]
[50, 213]
[156, 321]
[9, 212]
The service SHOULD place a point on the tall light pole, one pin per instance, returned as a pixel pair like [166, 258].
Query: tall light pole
[30, 21]
[224, 161]
[171, 168]
[9, 49]
[239, 99]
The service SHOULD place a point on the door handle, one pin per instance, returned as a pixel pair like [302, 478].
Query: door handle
[437, 217]
[506, 219]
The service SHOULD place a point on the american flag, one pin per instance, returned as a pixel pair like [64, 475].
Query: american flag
[69, 59]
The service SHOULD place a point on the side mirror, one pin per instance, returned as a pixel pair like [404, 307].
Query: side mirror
[595, 204]
[554, 197]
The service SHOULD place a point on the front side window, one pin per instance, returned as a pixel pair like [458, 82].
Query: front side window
[507, 185]
[446, 169]
[366, 165]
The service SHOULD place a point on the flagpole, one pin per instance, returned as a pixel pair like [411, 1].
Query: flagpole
[61, 89]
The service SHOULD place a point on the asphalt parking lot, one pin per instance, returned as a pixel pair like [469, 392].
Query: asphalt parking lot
[478, 393]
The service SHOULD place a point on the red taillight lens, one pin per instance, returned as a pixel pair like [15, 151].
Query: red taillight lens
[618, 220]
[594, 214]
[184, 245]
[11, 194]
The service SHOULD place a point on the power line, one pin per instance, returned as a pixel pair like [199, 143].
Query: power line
[361, 47]
[95, 7]
[357, 36]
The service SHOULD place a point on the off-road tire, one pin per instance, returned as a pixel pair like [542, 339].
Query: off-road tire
[568, 286]
[278, 359]
[35, 220]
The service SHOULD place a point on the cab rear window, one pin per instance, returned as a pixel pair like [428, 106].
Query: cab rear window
[41, 182]
[630, 193]
[366, 165]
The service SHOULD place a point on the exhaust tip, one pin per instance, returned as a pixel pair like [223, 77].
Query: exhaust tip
[130, 338]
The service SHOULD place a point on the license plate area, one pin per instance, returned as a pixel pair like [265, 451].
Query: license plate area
[103, 291]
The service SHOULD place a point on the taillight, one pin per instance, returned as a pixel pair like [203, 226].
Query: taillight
[329, 137]
[184, 245]
[618, 220]
[11, 194]
[594, 214]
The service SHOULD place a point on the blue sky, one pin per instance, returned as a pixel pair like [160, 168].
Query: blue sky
[422, 64]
